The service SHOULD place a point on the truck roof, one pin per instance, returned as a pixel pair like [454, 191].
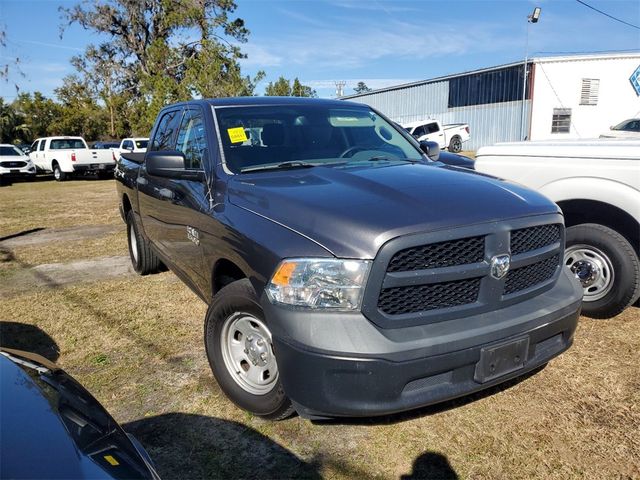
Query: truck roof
[417, 123]
[257, 101]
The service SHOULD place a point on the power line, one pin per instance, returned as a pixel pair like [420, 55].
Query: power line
[607, 15]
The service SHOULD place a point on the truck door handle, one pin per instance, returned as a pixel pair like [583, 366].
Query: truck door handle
[166, 193]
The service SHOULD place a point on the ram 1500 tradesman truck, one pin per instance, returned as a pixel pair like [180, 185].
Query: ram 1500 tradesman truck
[346, 273]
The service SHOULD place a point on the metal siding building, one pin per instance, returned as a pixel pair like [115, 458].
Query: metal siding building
[490, 99]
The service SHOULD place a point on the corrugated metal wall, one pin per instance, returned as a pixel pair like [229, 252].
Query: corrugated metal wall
[489, 123]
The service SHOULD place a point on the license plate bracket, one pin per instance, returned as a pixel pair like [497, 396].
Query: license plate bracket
[502, 359]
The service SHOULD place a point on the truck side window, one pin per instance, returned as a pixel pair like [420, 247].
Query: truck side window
[165, 136]
[192, 140]
[419, 132]
[432, 127]
[34, 147]
[42, 142]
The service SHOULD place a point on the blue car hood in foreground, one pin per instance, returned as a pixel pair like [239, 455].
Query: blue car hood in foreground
[353, 211]
[52, 427]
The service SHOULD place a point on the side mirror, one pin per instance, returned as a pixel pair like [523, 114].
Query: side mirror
[165, 164]
[432, 149]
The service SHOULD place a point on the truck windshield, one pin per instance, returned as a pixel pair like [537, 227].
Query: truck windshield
[254, 136]
[67, 143]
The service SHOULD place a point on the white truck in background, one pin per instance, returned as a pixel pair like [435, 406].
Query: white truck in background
[596, 183]
[450, 136]
[66, 156]
[131, 145]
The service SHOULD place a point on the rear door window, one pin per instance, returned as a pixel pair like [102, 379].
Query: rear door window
[432, 127]
[165, 135]
[42, 142]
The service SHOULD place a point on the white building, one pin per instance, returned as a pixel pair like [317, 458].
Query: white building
[578, 96]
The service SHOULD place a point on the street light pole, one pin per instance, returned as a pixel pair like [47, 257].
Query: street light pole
[533, 18]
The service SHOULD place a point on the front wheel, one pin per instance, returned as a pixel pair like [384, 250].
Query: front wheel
[607, 267]
[240, 352]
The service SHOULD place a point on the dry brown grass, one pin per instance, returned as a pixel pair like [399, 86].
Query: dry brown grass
[136, 344]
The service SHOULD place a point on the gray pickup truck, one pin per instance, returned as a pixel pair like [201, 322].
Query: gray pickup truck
[346, 272]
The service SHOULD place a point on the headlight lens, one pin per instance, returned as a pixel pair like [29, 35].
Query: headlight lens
[319, 283]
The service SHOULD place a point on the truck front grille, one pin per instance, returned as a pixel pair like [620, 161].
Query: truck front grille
[400, 300]
[437, 255]
[13, 164]
[419, 279]
[530, 275]
[532, 238]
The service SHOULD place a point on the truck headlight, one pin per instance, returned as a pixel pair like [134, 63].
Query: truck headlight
[319, 283]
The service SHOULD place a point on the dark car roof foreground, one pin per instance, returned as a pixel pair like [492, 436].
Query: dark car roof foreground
[257, 101]
[53, 428]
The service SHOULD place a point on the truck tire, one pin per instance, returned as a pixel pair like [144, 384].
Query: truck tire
[143, 259]
[606, 265]
[240, 352]
[455, 144]
[58, 174]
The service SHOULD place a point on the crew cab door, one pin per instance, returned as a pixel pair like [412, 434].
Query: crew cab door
[435, 134]
[174, 210]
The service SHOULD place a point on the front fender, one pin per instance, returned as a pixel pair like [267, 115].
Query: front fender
[602, 190]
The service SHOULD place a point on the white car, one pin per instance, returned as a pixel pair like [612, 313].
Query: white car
[14, 163]
[65, 156]
[596, 183]
[134, 144]
[447, 136]
[628, 129]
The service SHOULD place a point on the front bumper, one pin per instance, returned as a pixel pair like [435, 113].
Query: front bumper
[334, 365]
[23, 172]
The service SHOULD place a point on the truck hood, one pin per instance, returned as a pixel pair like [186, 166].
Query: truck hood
[353, 211]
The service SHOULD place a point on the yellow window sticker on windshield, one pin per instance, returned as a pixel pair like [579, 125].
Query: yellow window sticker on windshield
[237, 135]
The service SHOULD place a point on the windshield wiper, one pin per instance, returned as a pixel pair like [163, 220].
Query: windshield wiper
[384, 158]
[275, 166]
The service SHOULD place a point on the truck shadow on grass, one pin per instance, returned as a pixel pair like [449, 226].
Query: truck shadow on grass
[22, 336]
[195, 446]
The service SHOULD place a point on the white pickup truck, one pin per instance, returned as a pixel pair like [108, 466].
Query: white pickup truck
[65, 156]
[447, 136]
[596, 183]
[131, 145]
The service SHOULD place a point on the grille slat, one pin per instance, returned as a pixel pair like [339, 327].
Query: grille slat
[13, 164]
[420, 298]
[532, 238]
[437, 255]
[525, 277]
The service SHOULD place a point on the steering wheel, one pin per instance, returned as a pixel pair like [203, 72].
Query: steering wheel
[352, 150]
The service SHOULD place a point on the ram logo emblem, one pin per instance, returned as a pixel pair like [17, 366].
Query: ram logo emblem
[500, 266]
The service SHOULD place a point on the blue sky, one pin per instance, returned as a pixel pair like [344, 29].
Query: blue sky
[380, 42]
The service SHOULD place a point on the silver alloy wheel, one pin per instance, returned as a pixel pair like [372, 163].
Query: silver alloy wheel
[56, 172]
[134, 243]
[247, 352]
[593, 268]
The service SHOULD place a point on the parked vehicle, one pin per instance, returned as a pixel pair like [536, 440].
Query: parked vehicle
[629, 129]
[448, 136]
[105, 145]
[136, 145]
[14, 163]
[53, 428]
[596, 183]
[346, 273]
[66, 156]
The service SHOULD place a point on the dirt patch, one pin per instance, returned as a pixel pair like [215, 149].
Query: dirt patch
[51, 235]
[54, 275]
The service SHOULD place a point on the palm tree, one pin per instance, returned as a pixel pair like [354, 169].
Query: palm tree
[12, 127]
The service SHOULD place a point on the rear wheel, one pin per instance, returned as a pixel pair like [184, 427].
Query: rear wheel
[455, 145]
[58, 174]
[240, 352]
[607, 267]
[143, 259]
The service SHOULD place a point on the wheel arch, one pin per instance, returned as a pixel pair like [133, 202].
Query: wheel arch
[578, 211]
[223, 273]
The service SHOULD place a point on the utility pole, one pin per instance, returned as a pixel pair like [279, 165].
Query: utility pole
[340, 84]
[533, 18]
